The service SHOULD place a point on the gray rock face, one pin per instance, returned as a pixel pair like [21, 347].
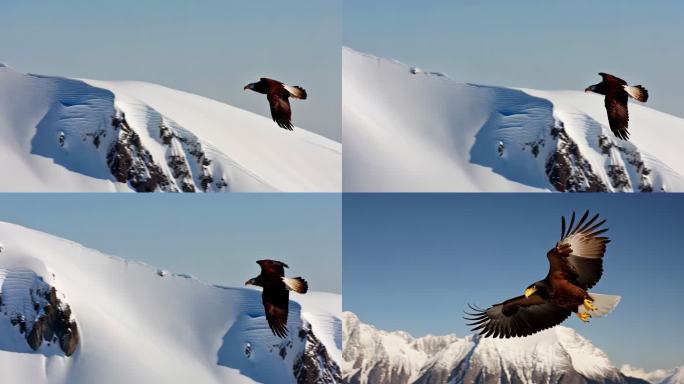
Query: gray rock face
[315, 366]
[567, 169]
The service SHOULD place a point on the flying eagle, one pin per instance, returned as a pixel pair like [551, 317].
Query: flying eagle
[616, 92]
[278, 94]
[275, 295]
[575, 265]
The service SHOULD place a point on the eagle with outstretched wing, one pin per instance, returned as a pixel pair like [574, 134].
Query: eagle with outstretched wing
[617, 92]
[575, 266]
[278, 95]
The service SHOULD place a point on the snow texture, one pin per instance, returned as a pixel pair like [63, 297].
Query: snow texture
[141, 326]
[405, 129]
[64, 134]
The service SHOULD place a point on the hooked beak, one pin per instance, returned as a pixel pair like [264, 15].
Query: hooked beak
[529, 292]
[246, 87]
[587, 89]
[248, 282]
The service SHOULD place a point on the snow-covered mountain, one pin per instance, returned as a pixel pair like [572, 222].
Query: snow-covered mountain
[658, 376]
[405, 129]
[557, 355]
[64, 134]
[69, 314]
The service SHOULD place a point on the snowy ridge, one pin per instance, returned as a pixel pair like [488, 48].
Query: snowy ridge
[86, 135]
[658, 376]
[410, 130]
[557, 355]
[139, 325]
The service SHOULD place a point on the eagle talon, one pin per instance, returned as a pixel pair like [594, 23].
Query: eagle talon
[589, 305]
[584, 316]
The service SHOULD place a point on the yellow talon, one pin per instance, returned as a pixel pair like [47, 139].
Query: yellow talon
[584, 316]
[589, 305]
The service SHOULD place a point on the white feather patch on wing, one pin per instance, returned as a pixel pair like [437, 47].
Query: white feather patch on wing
[585, 246]
[604, 304]
[296, 284]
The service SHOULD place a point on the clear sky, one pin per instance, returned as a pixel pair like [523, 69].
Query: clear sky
[212, 47]
[413, 261]
[216, 238]
[530, 43]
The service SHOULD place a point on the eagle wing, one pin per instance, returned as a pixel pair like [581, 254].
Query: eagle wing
[280, 107]
[579, 253]
[276, 306]
[519, 316]
[608, 78]
[618, 114]
[272, 267]
[616, 105]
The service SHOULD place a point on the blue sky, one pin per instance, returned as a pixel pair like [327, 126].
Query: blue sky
[529, 43]
[212, 48]
[413, 262]
[216, 238]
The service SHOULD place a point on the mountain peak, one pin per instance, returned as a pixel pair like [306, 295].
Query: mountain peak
[377, 356]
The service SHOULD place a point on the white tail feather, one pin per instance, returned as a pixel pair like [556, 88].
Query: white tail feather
[296, 284]
[604, 304]
[296, 91]
[637, 92]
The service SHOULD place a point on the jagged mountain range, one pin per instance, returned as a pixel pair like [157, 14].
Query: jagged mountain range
[557, 355]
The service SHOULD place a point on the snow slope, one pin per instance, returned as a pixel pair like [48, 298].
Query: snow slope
[64, 134]
[405, 129]
[140, 325]
[557, 355]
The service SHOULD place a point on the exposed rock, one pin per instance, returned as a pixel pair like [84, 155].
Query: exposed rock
[534, 146]
[618, 177]
[567, 169]
[130, 162]
[314, 365]
[50, 320]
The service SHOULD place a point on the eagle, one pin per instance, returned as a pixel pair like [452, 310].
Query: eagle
[276, 293]
[616, 92]
[278, 95]
[575, 265]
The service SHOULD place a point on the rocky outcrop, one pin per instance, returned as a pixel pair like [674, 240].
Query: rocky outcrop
[314, 365]
[566, 168]
[130, 162]
[182, 149]
[47, 319]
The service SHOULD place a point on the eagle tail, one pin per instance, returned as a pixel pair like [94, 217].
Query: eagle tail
[604, 304]
[296, 91]
[296, 284]
[637, 92]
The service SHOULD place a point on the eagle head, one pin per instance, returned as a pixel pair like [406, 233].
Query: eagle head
[540, 288]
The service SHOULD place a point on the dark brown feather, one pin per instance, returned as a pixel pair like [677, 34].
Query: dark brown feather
[516, 317]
